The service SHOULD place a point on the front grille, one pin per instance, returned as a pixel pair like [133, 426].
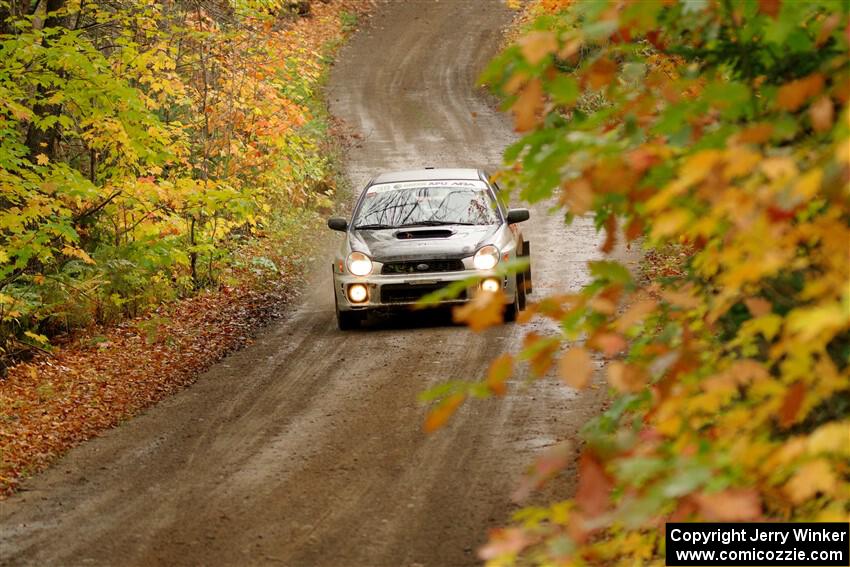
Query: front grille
[407, 293]
[422, 267]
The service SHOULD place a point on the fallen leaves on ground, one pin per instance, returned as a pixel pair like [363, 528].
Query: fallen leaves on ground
[104, 376]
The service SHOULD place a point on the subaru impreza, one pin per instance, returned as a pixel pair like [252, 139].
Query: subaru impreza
[414, 232]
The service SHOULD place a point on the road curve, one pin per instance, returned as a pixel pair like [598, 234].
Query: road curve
[305, 449]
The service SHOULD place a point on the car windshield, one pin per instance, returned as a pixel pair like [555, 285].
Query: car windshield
[426, 203]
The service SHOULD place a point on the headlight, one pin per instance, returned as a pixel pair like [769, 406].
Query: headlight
[486, 258]
[491, 284]
[359, 264]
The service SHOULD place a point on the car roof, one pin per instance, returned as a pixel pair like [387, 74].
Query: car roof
[429, 174]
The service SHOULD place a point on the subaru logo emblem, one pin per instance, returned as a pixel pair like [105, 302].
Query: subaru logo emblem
[421, 267]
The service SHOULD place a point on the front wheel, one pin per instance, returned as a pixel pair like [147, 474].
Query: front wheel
[347, 320]
[512, 310]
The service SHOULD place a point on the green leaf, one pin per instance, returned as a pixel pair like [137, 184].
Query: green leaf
[610, 271]
[564, 89]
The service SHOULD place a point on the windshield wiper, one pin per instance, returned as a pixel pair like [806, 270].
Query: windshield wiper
[375, 226]
[437, 223]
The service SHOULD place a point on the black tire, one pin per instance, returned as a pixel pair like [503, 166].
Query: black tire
[521, 290]
[347, 320]
[512, 310]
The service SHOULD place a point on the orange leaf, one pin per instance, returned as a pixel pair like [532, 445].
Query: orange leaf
[610, 235]
[570, 49]
[626, 377]
[527, 106]
[829, 25]
[485, 310]
[680, 298]
[770, 7]
[577, 195]
[576, 368]
[758, 306]
[551, 462]
[608, 344]
[594, 485]
[821, 114]
[516, 81]
[506, 541]
[635, 313]
[791, 404]
[499, 372]
[601, 73]
[813, 477]
[746, 371]
[634, 229]
[732, 505]
[793, 95]
[536, 45]
[642, 159]
[438, 416]
[756, 133]
[543, 352]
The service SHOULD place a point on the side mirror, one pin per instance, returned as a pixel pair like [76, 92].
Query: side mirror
[518, 215]
[338, 223]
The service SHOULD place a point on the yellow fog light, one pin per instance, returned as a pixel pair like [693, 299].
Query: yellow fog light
[357, 293]
[491, 284]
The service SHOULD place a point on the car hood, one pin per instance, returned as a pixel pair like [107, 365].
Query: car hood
[420, 243]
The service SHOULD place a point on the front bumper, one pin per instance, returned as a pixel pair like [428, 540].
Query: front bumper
[402, 291]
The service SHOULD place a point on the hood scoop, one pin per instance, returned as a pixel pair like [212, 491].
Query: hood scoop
[423, 233]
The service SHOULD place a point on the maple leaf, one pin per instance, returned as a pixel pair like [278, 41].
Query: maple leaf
[791, 404]
[770, 7]
[540, 352]
[601, 73]
[594, 485]
[610, 235]
[813, 477]
[536, 45]
[499, 372]
[634, 229]
[755, 133]
[577, 195]
[626, 377]
[821, 113]
[576, 368]
[441, 414]
[608, 344]
[793, 95]
[636, 312]
[830, 438]
[528, 105]
[731, 505]
[758, 306]
[506, 541]
[484, 311]
[42, 159]
[553, 460]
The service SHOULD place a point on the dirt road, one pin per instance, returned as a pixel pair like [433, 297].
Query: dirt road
[305, 449]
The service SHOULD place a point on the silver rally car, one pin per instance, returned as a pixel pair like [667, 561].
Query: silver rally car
[413, 232]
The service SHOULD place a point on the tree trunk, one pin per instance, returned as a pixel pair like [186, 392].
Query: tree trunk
[44, 141]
